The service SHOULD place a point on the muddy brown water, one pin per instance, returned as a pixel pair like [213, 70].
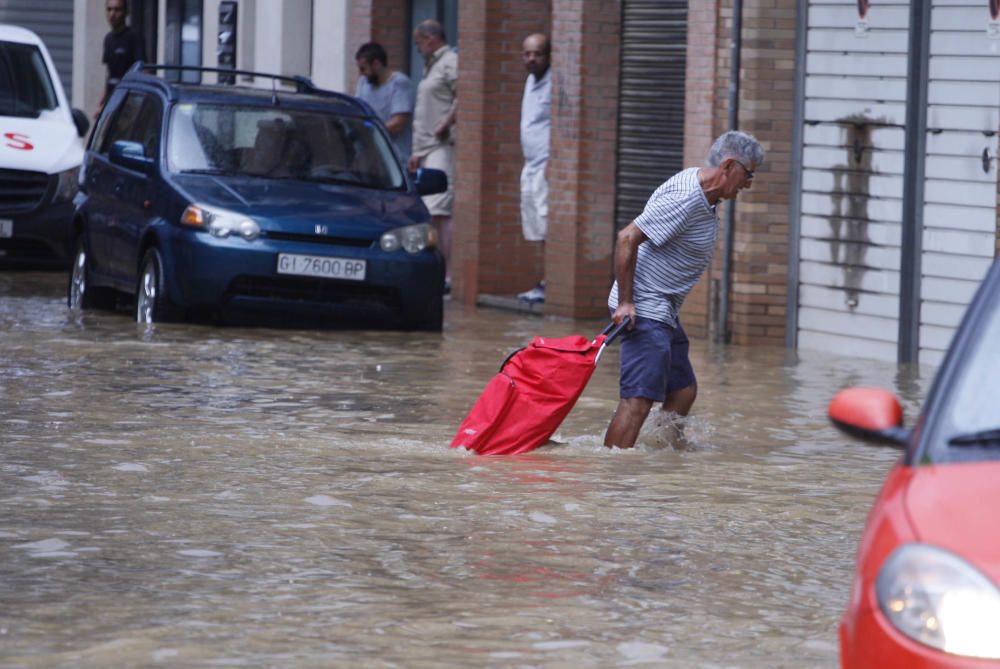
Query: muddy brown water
[192, 495]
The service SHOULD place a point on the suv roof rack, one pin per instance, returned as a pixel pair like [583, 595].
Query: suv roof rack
[301, 84]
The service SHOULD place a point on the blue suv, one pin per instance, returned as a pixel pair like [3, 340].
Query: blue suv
[220, 199]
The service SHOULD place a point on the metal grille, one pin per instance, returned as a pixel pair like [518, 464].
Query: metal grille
[320, 239]
[295, 289]
[21, 191]
[651, 101]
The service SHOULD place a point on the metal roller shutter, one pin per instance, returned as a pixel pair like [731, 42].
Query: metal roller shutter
[51, 20]
[651, 101]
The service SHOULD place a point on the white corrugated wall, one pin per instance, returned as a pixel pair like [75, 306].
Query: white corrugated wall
[852, 185]
[960, 201]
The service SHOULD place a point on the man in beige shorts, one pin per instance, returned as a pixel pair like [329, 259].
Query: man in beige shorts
[433, 121]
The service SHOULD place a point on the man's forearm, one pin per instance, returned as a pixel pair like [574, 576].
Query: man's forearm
[625, 259]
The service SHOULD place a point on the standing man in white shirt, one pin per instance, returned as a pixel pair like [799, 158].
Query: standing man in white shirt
[536, 123]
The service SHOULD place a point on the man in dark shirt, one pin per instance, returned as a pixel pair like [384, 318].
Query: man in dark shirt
[123, 46]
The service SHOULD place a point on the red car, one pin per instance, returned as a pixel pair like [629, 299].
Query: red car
[926, 591]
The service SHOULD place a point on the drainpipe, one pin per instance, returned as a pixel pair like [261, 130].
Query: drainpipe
[722, 333]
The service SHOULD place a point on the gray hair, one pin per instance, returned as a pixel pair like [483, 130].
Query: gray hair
[431, 28]
[735, 144]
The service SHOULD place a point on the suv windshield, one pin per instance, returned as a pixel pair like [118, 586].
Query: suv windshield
[280, 143]
[25, 86]
[969, 419]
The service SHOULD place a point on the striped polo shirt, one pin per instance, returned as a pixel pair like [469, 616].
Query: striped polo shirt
[681, 228]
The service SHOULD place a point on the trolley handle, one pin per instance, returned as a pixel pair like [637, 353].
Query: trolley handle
[614, 331]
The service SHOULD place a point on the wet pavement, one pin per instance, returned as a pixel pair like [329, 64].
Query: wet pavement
[191, 495]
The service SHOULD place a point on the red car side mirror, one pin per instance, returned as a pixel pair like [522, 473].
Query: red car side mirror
[872, 414]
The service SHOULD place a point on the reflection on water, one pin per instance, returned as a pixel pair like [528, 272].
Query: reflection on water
[201, 496]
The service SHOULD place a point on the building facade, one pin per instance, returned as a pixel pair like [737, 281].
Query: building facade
[865, 233]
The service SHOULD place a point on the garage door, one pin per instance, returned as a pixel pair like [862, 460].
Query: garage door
[850, 210]
[651, 102]
[960, 190]
[52, 20]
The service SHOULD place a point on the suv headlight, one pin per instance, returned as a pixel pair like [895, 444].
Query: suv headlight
[67, 185]
[939, 599]
[219, 222]
[413, 238]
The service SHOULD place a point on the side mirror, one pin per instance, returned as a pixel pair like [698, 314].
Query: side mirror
[871, 414]
[130, 155]
[430, 181]
[81, 121]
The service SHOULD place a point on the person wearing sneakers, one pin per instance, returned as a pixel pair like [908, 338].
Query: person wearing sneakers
[536, 120]
[658, 258]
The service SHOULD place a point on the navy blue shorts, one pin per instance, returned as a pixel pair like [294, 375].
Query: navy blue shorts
[655, 360]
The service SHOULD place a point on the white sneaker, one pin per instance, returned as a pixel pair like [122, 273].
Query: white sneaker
[535, 295]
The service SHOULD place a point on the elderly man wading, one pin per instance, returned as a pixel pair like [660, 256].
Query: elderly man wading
[658, 258]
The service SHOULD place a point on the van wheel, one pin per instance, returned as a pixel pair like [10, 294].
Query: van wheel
[151, 302]
[82, 293]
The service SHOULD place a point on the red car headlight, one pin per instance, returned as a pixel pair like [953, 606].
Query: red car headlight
[940, 600]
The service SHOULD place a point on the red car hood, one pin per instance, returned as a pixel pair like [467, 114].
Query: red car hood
[955, 507]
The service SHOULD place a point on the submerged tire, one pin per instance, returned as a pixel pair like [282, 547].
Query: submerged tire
[81, 293]
[151, 302]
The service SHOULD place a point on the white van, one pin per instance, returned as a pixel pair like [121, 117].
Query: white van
[40, 153]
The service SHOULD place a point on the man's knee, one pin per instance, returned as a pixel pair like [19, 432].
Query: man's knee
[680, 401]
[637, 407]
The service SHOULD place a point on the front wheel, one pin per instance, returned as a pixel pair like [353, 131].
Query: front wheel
[151, 302]
[430, 319]
[82, 294]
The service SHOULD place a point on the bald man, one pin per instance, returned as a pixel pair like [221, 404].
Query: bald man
[536, 115]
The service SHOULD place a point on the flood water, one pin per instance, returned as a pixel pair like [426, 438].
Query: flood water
[191, 495]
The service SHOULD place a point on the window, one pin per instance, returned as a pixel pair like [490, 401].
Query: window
[183, 36]
[25, 86]
[147, 130]
[280, 144]
[107, 119]
[125, 121]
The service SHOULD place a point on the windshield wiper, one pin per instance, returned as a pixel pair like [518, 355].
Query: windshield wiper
[214, 171]
[981, 438]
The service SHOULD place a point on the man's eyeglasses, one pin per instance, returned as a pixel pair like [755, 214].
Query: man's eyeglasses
[745, 168]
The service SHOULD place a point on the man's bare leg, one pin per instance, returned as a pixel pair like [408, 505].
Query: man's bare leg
[680, 401]
[627, 421]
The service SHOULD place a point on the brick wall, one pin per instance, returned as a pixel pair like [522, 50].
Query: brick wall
[489, 252]
[586, 44]
[760, 244]
[382, 21]
[700, 131]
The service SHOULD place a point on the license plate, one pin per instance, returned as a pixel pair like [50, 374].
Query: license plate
[321, 266]
[6, 227]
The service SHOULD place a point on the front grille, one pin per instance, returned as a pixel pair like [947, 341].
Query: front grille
[318, 239]
[21, 190]
[327, 291]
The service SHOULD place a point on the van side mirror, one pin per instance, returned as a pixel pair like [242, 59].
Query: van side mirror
[130, 155]
[430, 181]
[81, 121]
